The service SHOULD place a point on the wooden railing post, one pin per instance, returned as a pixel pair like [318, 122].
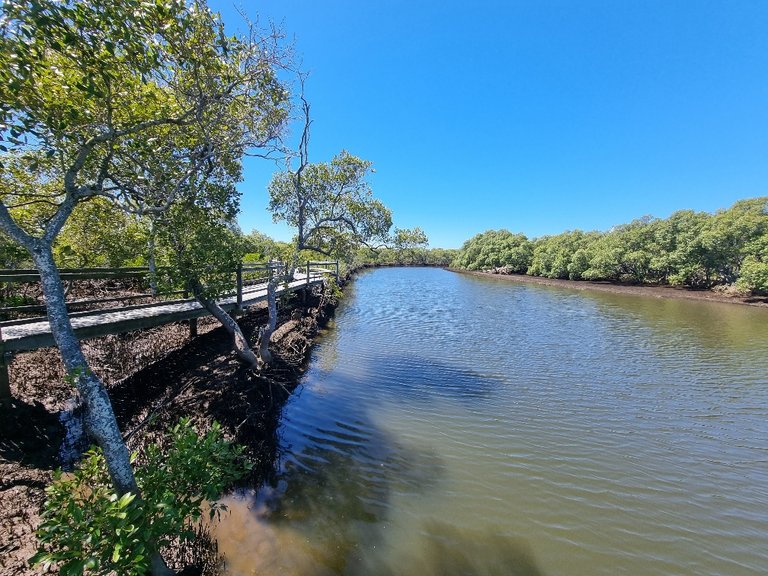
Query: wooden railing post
[192, 321]
[337, 271]
[308, 274]
[240, 286]
[5, 379]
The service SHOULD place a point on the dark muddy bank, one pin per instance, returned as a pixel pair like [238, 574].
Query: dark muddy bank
[636, 289]
[154, 378]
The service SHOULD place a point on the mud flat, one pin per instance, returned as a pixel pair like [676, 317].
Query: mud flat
[154, 377]
[638, 290]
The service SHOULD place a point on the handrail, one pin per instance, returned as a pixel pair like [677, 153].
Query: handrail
[105, 274]
[244, 276]
[31, 308]
[83, 270]
[335, 263]
[123, 269]
[101, 327]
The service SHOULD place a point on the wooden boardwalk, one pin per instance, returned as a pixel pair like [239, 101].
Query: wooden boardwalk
[37, 333]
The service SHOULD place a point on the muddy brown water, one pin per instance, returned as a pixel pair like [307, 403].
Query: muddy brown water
[451, 424]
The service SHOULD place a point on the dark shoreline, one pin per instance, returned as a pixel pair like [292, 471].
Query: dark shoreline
[199, 379]
[631, 289]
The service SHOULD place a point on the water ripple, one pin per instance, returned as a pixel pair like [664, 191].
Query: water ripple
[603, 434]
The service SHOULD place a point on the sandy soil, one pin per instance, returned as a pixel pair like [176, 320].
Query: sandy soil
[640, 290]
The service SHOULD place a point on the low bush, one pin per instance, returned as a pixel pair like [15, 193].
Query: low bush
[89, 529]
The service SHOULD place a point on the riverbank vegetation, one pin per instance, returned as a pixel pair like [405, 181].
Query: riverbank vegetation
[134, 107]
[154, 377]
[727, 250]
[123, 129]
[88, 528]
[422, 256]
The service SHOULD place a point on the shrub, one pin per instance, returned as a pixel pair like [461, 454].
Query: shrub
[754, 275]
[88, 529]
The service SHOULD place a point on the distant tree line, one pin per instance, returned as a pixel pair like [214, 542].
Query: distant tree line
[441, 257]
[101, 234]
[405, 247]
[693, 249]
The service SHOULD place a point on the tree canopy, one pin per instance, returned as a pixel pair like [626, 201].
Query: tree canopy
[143, 106]
[139, 114]
[494, 249]
[331, 205]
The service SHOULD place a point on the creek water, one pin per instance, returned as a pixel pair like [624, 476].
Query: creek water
[451, 424]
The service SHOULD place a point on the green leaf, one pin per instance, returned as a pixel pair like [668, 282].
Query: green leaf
[126, 499]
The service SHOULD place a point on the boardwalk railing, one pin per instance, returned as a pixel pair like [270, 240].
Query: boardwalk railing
[326, 267]
[98, 316]
[21, 312]
[246, 275]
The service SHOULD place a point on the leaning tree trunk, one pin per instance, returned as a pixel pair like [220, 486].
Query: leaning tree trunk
[100, 420]
[239, 341]
[265, 356]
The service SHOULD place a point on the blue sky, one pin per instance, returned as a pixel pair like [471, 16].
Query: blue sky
[533, 115]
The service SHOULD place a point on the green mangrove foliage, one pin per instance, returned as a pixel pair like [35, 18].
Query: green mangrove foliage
[100, 234]
[496, 249]
[419, 256]
[205, 248]
[262, 248]
[409, 242]
[694, 249]
[405, 247]
[88, 528]
[331, 205]
[138, 104]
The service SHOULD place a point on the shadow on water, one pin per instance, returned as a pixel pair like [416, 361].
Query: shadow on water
[444, 550]
[327, 513]
[413, 378]
[418, 379]
[253, 543]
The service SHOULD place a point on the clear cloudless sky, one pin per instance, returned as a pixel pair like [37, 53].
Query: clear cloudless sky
[537, 116]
